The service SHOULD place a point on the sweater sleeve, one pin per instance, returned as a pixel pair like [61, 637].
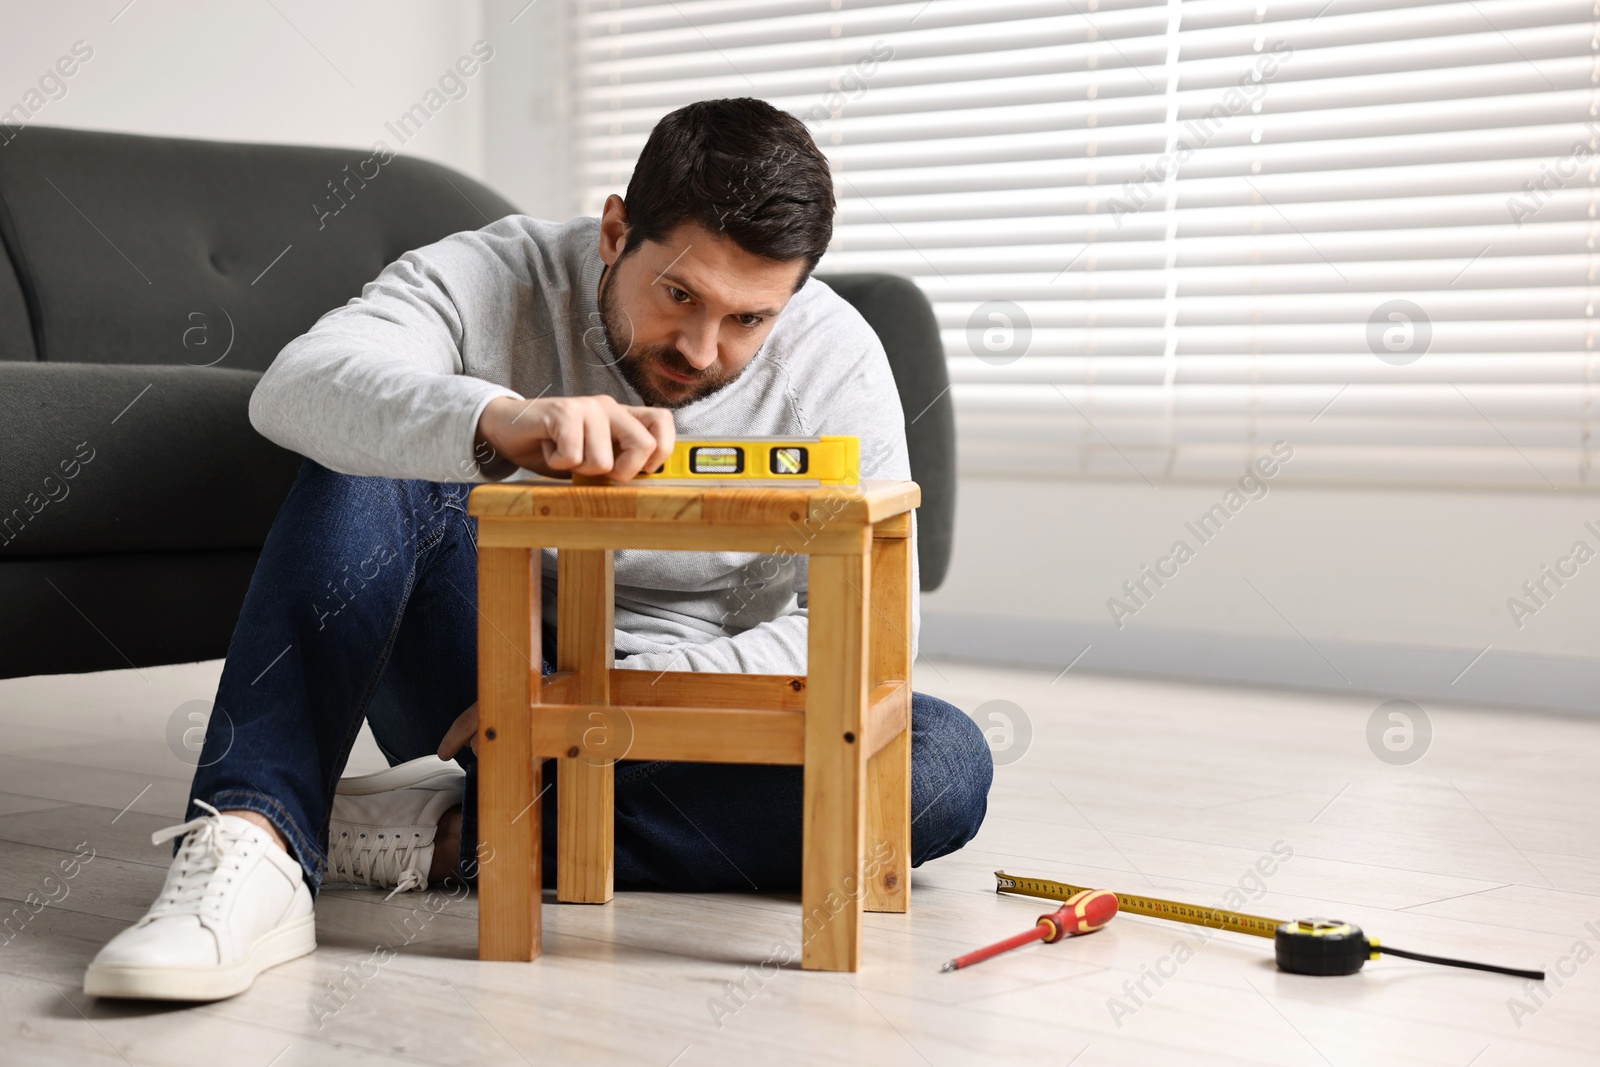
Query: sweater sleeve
[776, 647]
[377, 387]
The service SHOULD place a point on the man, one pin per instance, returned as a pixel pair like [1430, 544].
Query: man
[584, 348]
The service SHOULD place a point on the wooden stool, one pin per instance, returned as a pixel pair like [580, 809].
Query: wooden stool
[847, 721]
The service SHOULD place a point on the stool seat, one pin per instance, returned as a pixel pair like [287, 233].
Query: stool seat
[846, 721]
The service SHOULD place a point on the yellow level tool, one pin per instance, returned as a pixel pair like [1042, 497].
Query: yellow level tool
[827, 460]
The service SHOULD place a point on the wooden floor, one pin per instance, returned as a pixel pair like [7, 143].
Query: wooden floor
[1487, 848]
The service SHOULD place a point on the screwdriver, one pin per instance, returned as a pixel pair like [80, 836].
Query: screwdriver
[1084, 912]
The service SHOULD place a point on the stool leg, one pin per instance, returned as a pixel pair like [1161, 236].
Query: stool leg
[509, 830]
[889, 826]
[585, 794]
[834, 825]
[889, 769]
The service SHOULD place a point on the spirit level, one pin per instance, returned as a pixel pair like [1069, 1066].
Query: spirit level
[1305, 946]
[828, 460]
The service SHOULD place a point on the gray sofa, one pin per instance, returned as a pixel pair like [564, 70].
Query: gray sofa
[146, 284]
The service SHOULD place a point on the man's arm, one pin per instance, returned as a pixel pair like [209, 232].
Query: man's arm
[378, 386]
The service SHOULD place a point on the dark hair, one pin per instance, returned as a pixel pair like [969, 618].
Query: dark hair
[739, 167]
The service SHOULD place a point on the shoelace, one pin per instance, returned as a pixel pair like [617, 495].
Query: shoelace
[198, 859]
[377, 864]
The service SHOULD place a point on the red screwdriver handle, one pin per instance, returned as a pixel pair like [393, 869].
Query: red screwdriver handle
[1083, 913]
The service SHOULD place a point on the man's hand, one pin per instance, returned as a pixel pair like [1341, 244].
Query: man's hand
[591, 435]
[464, 731]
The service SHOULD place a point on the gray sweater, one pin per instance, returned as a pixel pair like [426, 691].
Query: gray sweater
[393, 383]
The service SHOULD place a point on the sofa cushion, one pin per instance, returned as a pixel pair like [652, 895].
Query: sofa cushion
[133, 459]
[107, 612]
[165, 250]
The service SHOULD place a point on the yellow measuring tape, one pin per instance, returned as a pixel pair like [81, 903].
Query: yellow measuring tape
[826, 460]
[1155, 907]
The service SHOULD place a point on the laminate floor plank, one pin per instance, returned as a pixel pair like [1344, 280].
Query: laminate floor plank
[113, 789]
[75, 828]
[11, 804]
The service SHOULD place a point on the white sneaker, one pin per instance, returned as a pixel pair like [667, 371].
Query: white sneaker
[234, 904]
[383, 825]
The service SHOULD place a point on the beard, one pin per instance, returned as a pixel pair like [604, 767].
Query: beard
[636, 362]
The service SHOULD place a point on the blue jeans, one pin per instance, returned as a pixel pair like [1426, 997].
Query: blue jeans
[363, 606]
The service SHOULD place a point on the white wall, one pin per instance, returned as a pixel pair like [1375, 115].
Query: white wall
[302, 72]
[1384, 590]
[528, 98]
[289, 71]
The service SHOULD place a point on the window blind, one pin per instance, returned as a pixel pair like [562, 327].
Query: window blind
[1160, 236]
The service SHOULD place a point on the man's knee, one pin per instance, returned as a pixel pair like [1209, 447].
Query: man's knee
[367, 522]
[951, 772]
[346, 496]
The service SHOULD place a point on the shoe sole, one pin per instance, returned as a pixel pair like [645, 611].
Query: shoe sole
[417, 772]
[280, 945]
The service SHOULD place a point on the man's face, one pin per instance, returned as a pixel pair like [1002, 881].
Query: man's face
[686, 315]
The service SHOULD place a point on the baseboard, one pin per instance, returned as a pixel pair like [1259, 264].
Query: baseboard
[1419, 673]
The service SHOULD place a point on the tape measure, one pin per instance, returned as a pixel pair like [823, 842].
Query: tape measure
[1216, 918]
[1304, 946]
[805, 461]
